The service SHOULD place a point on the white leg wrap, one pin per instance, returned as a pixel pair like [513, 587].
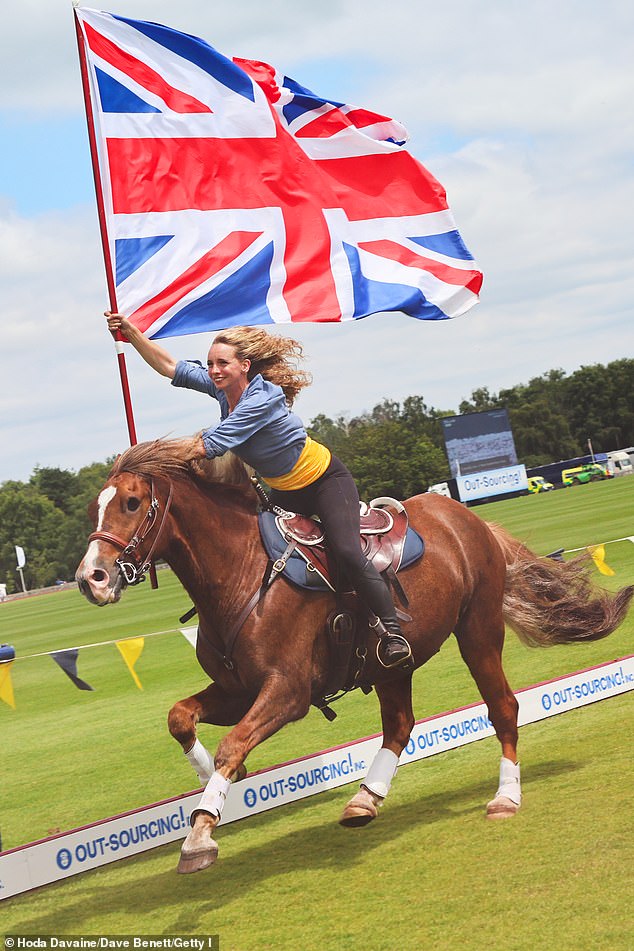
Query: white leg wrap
[214, 796]
[381, 773]
[202, 761]
[510, 781]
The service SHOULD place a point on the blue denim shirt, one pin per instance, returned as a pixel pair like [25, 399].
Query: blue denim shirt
[261, 429]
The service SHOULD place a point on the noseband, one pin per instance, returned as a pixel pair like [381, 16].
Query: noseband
[130, 564]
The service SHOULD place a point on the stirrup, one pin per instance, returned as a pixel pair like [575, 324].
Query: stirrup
[404, 662]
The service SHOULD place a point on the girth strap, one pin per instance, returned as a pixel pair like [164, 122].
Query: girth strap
[272, 571]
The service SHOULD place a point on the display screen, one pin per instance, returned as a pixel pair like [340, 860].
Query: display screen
[479, 442]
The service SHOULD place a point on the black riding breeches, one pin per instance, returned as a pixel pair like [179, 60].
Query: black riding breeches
[335, 499]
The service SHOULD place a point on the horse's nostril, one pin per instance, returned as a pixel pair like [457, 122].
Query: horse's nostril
[99, 575]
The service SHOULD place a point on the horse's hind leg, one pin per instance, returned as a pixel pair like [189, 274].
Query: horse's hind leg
[397, 718]
[480, 639]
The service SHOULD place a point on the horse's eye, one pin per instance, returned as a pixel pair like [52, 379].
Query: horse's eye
[133, 504]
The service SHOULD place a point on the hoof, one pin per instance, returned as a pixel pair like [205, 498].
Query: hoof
[362, 808]
[197, 860]
[199, 849]
[501, 808]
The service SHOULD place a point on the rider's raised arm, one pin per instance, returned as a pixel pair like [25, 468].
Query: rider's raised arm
[153, 354]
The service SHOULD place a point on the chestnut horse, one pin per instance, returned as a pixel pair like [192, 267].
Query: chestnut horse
[202, 519]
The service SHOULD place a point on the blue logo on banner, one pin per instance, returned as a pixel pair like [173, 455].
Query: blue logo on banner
[64, 859]
[250, 798]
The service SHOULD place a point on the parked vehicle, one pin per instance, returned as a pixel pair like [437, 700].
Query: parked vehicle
[620, 463]
[580, 475]
[538, 484]
[441, 488]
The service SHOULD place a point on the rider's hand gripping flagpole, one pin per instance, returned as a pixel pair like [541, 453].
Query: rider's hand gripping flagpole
[112, 294]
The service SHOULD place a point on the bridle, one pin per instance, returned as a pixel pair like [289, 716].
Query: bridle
[130, 564]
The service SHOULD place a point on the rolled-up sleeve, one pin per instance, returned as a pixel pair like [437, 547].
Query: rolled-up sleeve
[192, 375]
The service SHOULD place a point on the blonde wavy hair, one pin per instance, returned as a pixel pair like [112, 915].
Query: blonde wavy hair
[274, 357]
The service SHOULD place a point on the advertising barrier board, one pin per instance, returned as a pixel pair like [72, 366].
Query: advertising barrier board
[66, 854]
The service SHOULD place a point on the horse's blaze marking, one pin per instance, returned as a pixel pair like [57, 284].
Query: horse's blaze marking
[105, 498]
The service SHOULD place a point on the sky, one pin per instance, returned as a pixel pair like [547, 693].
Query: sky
[521, 110]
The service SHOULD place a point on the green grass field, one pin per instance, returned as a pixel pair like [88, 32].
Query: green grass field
[431, 870]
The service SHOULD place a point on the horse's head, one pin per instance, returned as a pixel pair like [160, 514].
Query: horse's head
[130, 512]
[127, 519]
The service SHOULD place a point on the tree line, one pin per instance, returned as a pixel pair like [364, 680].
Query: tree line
[398, 448]
[395, 449]
[47, 517]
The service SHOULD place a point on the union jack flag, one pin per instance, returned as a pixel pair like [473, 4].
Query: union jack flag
[231, 195]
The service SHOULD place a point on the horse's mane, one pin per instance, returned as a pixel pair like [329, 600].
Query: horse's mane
[168, 458]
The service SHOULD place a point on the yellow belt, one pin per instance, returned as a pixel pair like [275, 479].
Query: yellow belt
[313, 461]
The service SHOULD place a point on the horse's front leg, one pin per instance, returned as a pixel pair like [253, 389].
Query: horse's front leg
[279, 702]
[211, 705]
[397, 718]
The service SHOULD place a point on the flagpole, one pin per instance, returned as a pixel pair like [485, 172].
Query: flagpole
[112, 294]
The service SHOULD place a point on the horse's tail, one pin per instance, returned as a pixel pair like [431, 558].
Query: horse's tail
[549, 602]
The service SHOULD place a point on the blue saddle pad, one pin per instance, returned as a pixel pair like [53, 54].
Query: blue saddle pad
[297, 569]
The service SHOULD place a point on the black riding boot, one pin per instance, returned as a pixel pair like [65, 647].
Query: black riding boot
[393, 650]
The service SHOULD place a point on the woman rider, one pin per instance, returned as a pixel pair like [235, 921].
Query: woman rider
[252, 375]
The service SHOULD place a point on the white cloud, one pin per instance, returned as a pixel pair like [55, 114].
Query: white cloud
[520, 111]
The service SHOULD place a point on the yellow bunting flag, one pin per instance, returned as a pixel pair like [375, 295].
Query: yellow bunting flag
[598, 556]
[6, 687]
[130, 650]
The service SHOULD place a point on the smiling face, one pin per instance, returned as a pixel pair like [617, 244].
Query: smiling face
[226, 370]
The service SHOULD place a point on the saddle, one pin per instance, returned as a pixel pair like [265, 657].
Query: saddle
[297, 548]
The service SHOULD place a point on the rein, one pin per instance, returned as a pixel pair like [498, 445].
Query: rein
[130, 564]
